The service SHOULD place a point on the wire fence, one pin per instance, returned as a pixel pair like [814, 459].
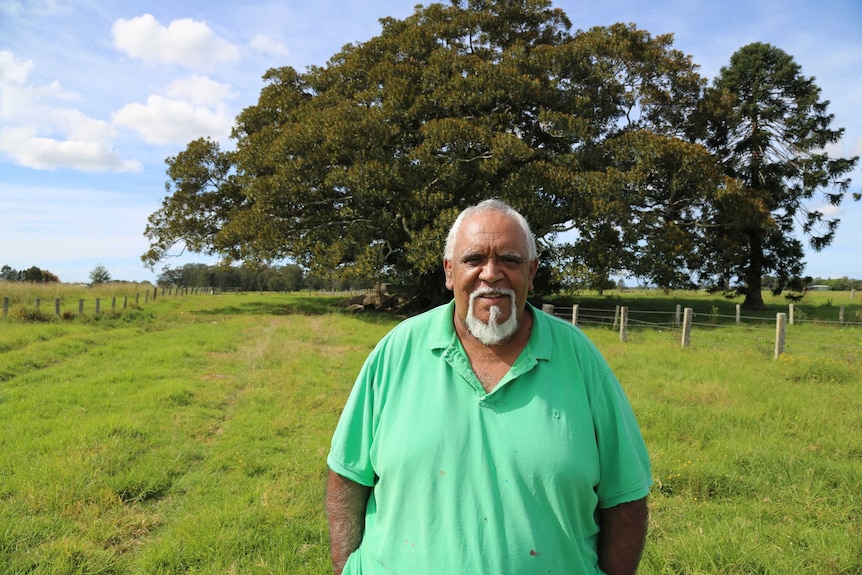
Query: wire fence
[774, 336]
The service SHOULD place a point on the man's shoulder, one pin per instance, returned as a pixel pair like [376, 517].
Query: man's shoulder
[555, 331]
[558, 326]
[431, 324]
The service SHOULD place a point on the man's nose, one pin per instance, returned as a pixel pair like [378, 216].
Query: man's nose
[490, 271]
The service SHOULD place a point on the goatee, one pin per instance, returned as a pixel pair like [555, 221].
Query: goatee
[492, 332]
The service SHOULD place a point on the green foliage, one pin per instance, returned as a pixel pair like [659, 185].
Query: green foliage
[766, 123]
[356, 169]
[359, 167]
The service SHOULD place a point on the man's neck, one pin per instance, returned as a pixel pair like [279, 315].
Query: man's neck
[491, 362]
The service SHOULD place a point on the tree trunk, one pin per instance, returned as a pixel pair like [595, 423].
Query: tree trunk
[754, 277]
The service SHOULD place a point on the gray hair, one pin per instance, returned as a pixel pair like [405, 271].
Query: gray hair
[492, 205]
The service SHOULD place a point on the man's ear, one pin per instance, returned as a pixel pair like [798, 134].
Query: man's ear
[447, 271]
[534, 267]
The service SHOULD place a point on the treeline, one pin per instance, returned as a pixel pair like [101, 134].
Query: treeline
[32, 274]
[841, 284]
[248, 278]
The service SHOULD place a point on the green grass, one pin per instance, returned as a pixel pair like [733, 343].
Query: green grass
[757, 463]
[190, 435]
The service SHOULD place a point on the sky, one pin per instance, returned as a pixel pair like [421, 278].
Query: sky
[96, 94]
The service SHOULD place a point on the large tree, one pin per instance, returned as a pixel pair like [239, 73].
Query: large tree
[770, 129]
[361, 165]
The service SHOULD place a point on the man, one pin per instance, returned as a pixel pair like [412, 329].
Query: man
[485, 436]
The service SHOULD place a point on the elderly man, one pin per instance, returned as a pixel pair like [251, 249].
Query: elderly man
[485, 436]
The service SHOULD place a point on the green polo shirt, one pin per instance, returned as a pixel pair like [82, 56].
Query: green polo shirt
[465, 481]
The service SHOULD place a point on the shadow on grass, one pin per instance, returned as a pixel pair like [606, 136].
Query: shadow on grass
[298, 305]
[312, 305]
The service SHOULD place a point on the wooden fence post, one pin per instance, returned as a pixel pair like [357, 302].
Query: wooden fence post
[676, 316]
[840, 314]
[38, 304]
[790, 314]
[616, 316]
[624, 323]
[738, 314]
[98, 305]
[114, 304]
[80, 307]
[686, 327]
[575, 314]
[780, 332]
[57, 307]
[137, 298]
[125, 301]
[548, 308]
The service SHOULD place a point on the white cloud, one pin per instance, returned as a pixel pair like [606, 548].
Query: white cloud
[185, 42]
[12, 72]
[36, 133]
[41, 153]
[266, 45]
[170, 121]
[200, 90]
[830, 211]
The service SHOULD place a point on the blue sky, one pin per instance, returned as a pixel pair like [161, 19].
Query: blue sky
[94, 95]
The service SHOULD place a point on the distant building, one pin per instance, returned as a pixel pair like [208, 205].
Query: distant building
[818, 287]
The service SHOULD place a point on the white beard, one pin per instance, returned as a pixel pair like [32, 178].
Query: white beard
[492, 333]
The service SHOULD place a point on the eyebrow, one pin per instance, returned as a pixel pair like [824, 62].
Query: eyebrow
[512, 255]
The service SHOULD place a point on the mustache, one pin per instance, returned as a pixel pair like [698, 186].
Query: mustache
[483, 292]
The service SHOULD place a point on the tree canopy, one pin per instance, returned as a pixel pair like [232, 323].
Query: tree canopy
[360, 166]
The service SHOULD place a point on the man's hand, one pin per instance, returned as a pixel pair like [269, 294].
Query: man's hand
[622, 537]
[345, 510]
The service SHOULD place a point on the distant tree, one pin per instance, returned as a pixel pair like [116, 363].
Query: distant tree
[9, 274]
[767, 125]
[99, 275]
[48, 277]
[286, 278]
[32, 274]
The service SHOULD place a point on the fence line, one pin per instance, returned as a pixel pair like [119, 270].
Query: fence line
[748, 328]
[149, 294]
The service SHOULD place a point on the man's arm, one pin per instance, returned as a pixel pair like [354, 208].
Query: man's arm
[622, 537]
[345, 511]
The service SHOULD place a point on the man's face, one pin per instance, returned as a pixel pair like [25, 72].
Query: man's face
[490, 255]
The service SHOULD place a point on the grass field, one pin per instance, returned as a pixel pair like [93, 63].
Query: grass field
[189, 435]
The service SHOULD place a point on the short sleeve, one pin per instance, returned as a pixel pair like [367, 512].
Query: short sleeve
[625, 473]
[350, 451]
